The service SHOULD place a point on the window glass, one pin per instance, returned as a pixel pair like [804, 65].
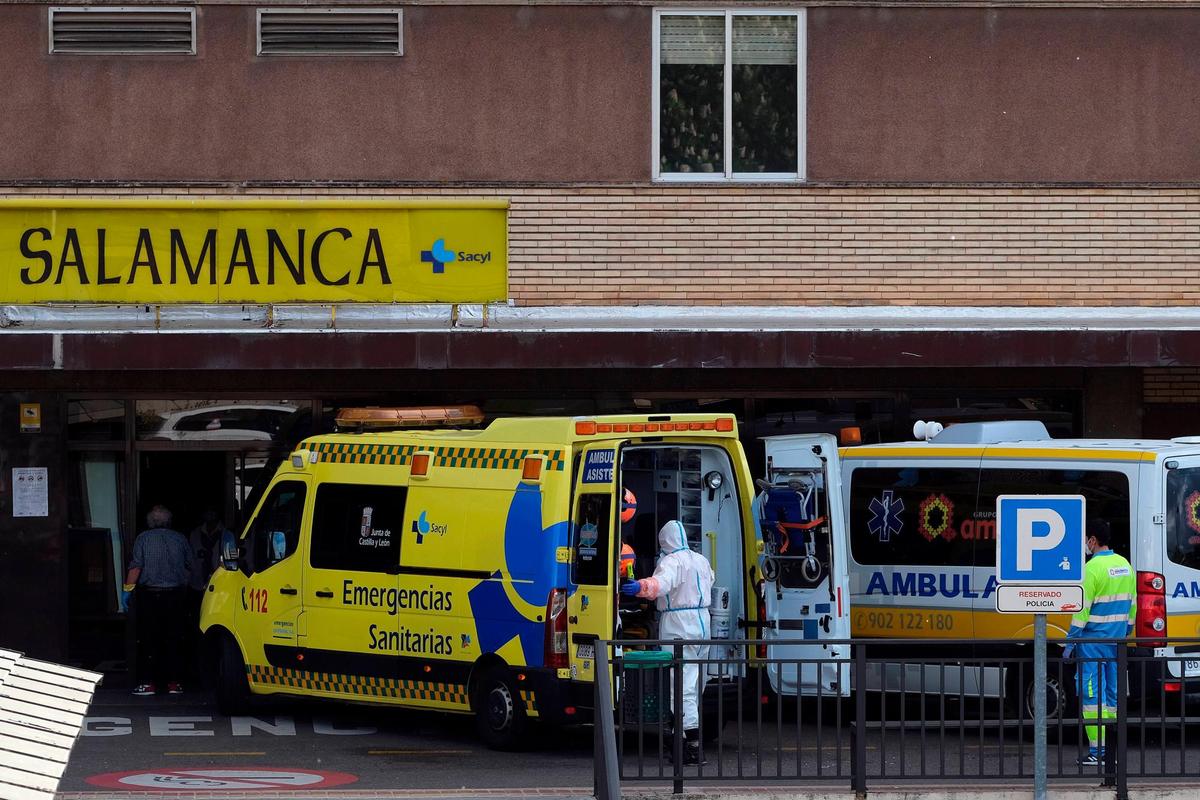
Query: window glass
[281, 422]
[1183, 517]
[692, 94]
[96, 420]
[1106, 495]
[729, 84]
[275, 533]
[765, 100]
[357, 527]
[933, 517]
[592, 564]
[915, 515]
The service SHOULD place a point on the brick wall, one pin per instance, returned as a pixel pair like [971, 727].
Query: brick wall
[756, 245]
[1171, 385]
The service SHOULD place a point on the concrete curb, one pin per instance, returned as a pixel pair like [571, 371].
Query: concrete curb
[992, 792]
[553, 793]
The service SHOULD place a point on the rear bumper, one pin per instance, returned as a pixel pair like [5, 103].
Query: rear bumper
[555, 701]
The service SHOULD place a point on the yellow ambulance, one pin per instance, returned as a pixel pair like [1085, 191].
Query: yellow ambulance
[469, 569]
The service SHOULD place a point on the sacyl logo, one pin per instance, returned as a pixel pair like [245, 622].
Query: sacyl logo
[439, 256]
[422, 526]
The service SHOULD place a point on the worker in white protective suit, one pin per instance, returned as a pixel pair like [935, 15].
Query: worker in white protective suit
[682, 590]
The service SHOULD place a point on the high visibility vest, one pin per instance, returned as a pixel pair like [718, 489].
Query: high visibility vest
[1108, 609]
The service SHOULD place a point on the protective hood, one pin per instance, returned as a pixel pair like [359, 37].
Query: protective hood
[671, 537]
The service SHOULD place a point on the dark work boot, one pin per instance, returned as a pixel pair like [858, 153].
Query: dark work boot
[691, 748]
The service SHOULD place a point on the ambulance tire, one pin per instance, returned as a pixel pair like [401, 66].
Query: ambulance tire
[1060, 699]
[499, 714]
[233, 689]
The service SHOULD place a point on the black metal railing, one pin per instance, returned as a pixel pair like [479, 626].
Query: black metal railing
[887, 711]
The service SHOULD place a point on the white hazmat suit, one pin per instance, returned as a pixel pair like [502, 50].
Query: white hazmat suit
[682, 590]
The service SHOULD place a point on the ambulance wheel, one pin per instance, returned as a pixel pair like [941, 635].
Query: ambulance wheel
[1059, 701]
[233, 689]
[499, 712]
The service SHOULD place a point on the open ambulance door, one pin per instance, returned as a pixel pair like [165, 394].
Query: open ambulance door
[804, 565]
[595, 548]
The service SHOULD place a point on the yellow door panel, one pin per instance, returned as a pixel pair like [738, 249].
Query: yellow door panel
[269, 606]
[596, 545]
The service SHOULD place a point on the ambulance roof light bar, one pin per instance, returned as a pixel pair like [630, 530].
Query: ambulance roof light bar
[590, 427]
[375, 418]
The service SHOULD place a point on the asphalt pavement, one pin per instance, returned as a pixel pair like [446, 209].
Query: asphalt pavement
[171, 745]
[182, 743]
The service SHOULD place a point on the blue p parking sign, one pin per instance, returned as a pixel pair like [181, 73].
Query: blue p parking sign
[1039, 539]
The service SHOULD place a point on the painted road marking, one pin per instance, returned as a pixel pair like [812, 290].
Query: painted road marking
[418, 752]
[220, 779]
[228, 753]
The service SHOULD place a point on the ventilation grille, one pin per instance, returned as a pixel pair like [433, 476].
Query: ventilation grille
[329, 32]
[125, 29]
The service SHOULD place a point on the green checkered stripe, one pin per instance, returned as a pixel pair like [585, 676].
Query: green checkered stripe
[530, 701]
[493, 458]
[361, 685]
[465, 457]
[350, 453]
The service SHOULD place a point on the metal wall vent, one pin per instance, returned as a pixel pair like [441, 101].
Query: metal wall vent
[123, 29]
[330, 32]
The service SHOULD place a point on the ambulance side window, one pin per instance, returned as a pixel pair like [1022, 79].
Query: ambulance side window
[276, 530]
[592, 564]
[916, 515]
[1106, 494]
[357, 527]
[1183, 517]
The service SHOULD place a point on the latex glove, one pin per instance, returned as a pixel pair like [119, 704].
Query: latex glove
[126, 597]
[1068, 650]
[631, 588]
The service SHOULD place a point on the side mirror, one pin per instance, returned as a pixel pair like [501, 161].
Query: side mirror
[229, 551]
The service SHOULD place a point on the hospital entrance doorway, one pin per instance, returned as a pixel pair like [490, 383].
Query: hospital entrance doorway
[191, 483]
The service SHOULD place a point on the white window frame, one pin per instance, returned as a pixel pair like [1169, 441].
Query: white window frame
[729, 176]
[52, 10]
[348, 10]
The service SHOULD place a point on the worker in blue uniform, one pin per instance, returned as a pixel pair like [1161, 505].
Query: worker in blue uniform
[1108, 612]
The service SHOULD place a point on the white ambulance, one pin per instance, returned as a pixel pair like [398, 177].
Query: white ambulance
[913, 541]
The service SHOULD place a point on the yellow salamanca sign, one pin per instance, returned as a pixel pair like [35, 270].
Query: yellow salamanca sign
[252, 251]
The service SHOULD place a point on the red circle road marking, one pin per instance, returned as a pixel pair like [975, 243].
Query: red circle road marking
[220, 779]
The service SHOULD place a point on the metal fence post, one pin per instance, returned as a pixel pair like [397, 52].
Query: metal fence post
[1122, 726]
[606, 777]
[677, 725]
[858, 759]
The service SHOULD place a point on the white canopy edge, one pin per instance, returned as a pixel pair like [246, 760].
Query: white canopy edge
[440, 317]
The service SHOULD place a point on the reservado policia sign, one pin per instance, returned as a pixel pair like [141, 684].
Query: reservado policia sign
[222, 250]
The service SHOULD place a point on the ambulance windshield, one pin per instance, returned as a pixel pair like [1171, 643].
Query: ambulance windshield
[1183, 517]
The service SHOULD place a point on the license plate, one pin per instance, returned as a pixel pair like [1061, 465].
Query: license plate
[589, 651]
[1191, 669]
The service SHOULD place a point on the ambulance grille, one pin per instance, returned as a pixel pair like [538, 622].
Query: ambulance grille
[107, 30]
[330, 32]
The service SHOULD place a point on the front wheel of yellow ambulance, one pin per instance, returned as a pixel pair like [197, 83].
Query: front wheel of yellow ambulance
[233, 688]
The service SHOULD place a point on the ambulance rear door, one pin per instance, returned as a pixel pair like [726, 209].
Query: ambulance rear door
[798, 512]
[595, 546]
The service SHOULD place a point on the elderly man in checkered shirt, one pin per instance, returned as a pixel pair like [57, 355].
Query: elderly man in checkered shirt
[158, 578]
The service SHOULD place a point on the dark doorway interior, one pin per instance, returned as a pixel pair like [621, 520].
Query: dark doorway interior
[186, 482]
